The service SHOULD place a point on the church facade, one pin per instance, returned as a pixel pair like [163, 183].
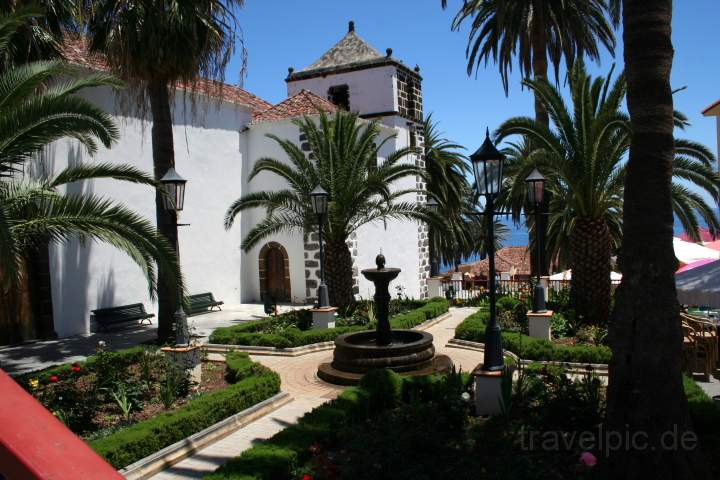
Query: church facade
[218, 135]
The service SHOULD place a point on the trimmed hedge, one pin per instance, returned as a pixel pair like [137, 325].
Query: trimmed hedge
[246, 333]
[124, 358]
[277, 457]
[254, 383]
[530, 348]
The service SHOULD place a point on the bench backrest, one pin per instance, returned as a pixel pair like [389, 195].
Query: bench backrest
[201, 297]
[135, 309]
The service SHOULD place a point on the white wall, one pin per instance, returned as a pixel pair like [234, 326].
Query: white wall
[258, 146]
[399, 238]
[207, 154]
[371, 90]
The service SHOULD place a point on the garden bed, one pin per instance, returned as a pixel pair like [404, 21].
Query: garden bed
[130, 403]
[380, 430]
[531, 348]
[294, 329]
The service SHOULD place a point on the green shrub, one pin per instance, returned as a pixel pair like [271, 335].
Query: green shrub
[507, 304]
[251, 333]
[530, 348]
[130, 444]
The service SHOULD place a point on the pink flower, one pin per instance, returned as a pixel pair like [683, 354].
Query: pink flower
[588, 459]
[54, 378]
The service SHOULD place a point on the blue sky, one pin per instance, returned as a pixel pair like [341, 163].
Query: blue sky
[283, 33]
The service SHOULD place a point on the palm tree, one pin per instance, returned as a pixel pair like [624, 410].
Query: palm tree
[34, 112]
[583, 156]
[155, 45]
[645, 392]
[446, 170]
[343, 160]
[535, 31]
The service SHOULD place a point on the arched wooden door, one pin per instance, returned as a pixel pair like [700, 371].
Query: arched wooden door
[274, 272]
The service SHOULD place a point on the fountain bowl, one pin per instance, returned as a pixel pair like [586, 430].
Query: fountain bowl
[410, 353]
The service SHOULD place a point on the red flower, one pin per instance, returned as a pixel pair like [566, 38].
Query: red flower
[307, 477]
[54, 378]
[76, 368]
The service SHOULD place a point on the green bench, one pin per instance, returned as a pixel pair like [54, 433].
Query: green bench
[105, 317]
[201, 303]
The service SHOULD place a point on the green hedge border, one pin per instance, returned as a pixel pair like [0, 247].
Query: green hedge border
[292, 337]
[277, 457]
[530, 348]
[125, 357]
[254, 383]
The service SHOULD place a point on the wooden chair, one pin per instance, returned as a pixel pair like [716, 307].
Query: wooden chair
[699, 347]
[708, 331]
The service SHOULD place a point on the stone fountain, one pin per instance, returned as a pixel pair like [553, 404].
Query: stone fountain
[409, 352]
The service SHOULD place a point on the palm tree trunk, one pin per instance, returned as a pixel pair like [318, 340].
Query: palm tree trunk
[539, 60]
[40, 283]
[339, 274]
[590, 244]
[163, 159]
[645, 392]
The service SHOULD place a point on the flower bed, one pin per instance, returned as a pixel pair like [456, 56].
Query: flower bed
[293, 329]
[364, 432]
[530, 348]
[131, 403]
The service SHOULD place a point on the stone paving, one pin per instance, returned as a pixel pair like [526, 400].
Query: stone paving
[35, 355]
[299, 379]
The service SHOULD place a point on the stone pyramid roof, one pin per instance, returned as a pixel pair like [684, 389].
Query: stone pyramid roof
[350, 53]
[351, 49]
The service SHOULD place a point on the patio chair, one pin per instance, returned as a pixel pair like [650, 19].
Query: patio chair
[696, 352]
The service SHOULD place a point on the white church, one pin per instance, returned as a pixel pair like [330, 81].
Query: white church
[216, 144]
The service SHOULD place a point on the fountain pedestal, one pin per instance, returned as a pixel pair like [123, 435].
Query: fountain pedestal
[409, 352]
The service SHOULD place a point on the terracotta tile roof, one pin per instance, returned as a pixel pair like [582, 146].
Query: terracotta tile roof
[302, 103]
[712, 109]
[75, 50]
[506, 259]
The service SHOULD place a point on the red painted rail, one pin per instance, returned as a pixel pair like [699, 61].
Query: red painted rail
[36, 445]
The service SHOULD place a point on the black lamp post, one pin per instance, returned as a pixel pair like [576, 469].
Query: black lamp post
[487, 164]
[319, 200]
[433, 206]
[536, 195]
[174, 201]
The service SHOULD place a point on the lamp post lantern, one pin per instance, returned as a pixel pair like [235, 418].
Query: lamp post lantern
[433, 206]
[536, 196]
[319, 200]
[174, 201]
[487, 164]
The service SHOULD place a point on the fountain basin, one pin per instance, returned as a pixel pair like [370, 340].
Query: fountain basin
[411, 353]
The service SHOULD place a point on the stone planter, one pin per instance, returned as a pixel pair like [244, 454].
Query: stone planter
[539, 324]
[323, 317]
[189, 358]
[488, 391]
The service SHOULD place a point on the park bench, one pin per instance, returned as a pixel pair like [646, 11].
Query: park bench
[201, 303]
[105, 317]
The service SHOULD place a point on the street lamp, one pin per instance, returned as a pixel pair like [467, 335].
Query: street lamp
[536, 195]
[174, 201]
[433, 206]
[487, 164]
[319, 200]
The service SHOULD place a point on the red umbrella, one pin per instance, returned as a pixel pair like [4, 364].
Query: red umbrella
[696, 263]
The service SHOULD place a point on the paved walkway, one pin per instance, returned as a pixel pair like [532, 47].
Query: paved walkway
[35, 355]
[299, 379]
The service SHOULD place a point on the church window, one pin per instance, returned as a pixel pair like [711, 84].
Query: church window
[340, 96]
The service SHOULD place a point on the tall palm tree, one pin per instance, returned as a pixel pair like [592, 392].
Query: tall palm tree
[535, 31]
[583, 156]
[34, 112]
[155, 45]
[645, 392]
[343, 158]
[446, 170]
